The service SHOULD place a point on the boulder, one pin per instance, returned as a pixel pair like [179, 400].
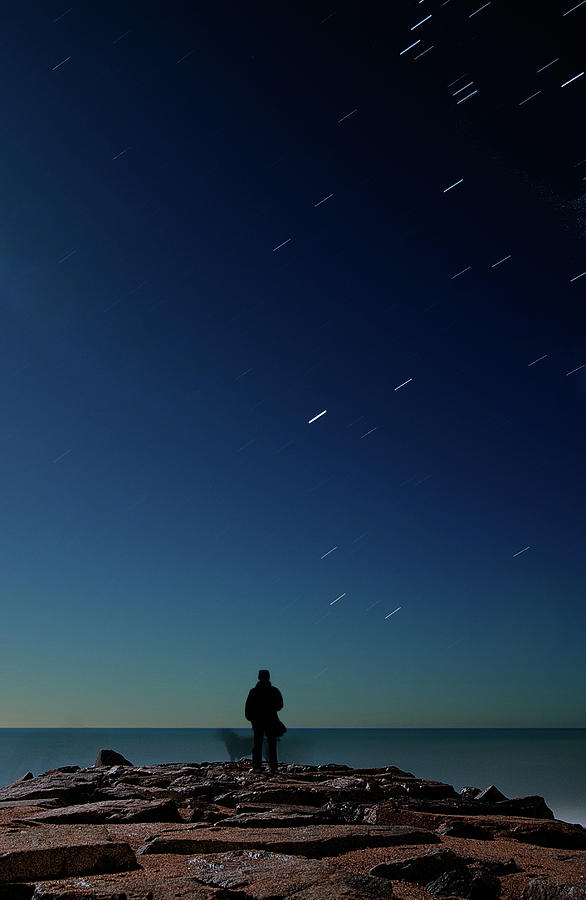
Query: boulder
[310, 840]
[557, 834]
[262, 874]
[54, 851]
[542, 889]
[421, 869]
[110, 758]
[106, 811]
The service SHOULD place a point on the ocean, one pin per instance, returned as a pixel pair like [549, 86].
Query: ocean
[519, 761]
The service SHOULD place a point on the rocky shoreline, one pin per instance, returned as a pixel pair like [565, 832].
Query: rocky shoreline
[114, 831]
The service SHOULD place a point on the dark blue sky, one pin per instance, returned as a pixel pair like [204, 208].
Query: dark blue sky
[165, 502]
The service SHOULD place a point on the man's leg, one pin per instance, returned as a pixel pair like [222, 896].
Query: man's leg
[272, 742]
[257, 748]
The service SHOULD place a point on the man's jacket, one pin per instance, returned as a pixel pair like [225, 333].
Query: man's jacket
[263, 702]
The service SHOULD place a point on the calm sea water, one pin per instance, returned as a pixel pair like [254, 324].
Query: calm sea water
[520, 761]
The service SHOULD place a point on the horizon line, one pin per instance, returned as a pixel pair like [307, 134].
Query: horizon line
[295, 727]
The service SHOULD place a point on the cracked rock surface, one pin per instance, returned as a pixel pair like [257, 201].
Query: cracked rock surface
[219, 830]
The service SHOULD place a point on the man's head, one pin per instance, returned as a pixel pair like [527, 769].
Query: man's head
[264, 675]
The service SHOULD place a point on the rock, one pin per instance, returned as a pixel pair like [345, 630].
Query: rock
[491, 794]
[454, 883]
[16, 891]
[433, 790]
[191, 787]
[289, 794]
[280, 808]
[72, 787]
[485, 887]
[25, 777]
[465, 830]
[348, 788]
[343, 813]
[421, 869]
[461, 883]
[470, 793]
[534, 807]
[311, 840]
[54, 851]
[263, 874]
[41, 803]
[114, 811]
[529, 807]
[121, 791]
[557, 834]
[542, 889]
[110, 758]
[207, 812]
[145, 887]
[62, 769]
[272, 819]
[496, 867]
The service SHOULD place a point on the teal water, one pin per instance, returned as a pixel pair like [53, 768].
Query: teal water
[520, 761]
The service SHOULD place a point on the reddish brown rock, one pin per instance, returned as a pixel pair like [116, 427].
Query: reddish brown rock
[551, 834]
[534, 807]
[51, 851]
[261, 874]
[542, 889]
[147, 887]
[114, 811]
[297, 794]
[421, 868]
[44, 803]
[273, 819]
[311, 841]
[68, 787]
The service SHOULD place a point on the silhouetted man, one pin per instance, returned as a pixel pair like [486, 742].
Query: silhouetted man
[262, 705]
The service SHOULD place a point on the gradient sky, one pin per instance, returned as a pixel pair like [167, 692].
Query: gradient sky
[165, 502]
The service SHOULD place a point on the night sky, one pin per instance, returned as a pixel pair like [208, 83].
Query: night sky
[220, 220]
